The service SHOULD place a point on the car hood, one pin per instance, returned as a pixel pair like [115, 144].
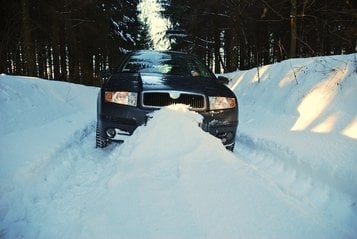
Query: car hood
[158, 82]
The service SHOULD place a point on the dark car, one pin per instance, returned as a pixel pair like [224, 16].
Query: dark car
[149, 80]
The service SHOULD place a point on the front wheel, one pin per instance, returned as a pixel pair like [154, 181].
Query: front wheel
[230, 147]
[100, 141]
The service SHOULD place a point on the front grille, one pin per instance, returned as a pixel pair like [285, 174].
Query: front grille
[158, 99]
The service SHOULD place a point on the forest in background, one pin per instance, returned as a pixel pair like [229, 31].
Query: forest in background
[69, 40]
[243, 34]
[75, 40]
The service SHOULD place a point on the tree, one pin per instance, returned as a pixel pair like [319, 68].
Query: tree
[144, 38]
[29, 56]
[293, 32]
[254, 32]
[67, 39]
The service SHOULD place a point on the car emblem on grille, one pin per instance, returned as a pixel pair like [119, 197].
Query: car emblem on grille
[174, 95]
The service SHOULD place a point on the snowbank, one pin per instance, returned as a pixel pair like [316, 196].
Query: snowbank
[308, 106]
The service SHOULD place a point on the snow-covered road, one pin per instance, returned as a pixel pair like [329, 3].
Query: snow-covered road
[173, 180]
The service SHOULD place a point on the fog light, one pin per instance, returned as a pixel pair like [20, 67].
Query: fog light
[111, 133]
[229, 136]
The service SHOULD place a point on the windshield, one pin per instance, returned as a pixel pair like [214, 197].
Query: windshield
[166, 63]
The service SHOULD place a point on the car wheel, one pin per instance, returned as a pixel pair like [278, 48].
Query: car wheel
[100, 142]
[230, 147]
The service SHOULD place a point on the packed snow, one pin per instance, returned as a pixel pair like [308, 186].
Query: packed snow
[293, 173]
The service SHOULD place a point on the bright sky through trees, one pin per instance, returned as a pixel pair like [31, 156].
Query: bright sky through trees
[150, 9]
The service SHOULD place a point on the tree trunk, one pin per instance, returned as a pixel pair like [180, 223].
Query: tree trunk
[73, 59]
[293, 32]
[55, 50]
[29, 56]
[228, 49]
[39, 60]
[217, 45]
[63, 53]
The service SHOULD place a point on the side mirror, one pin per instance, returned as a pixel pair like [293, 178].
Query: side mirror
[223, 80]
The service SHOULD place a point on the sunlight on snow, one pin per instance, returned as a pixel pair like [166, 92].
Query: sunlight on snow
[316, 102]
[260, 73]
[287, 79]
[312, 106]
[351, 129]
[240, 79]
[327, 125]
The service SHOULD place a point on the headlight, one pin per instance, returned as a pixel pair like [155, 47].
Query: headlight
[219, 103]
[122, 97]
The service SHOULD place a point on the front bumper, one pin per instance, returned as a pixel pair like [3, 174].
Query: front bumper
[117, 124]
[123, 120]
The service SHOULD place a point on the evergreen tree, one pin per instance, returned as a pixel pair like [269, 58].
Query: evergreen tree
[144, 38]
[70, 40]
[255, 32]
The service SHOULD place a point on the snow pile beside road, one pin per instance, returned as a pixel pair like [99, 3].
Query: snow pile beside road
[309, 107]
[36, 102]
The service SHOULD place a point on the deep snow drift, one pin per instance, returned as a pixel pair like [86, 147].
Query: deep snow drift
[293, 173]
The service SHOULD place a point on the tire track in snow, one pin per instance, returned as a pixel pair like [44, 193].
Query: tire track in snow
[61, 181]
[297, 180]
[75, 162]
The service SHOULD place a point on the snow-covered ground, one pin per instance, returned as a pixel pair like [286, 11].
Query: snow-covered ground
[293, 173]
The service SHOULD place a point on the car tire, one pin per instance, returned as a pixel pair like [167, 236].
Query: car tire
[230, 147]
[100, 142]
